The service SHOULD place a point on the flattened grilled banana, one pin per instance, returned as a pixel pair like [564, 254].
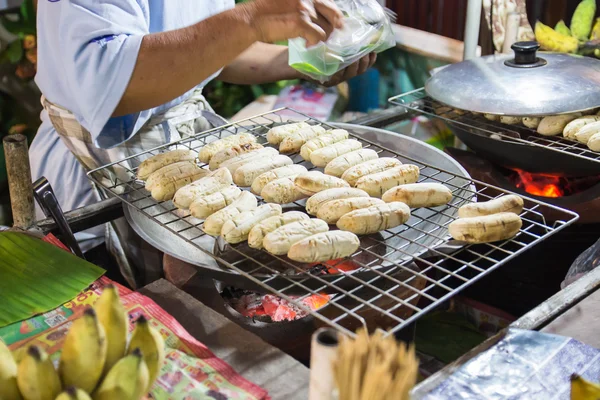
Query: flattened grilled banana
[276, 135]
[353, 174]
[292, 143]
[262, 229]
[486, 229]
[227, 154]
[205, 206]
[279, 241]
[165, 188]
[313, 182]
[210, 184]
[330, 137]
[324, 246]
[417, 195]
[247, 173]
[171, 170]
[213, 224]
[282, 191]
[341, 164]
[322, 157]
[158, 161]
[377, 218]
[238, 228]
[316, 202]
[332, 211]
[208, 151]
[283, 172]
[377, 184]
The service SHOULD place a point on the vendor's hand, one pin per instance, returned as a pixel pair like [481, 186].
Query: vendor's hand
[358, 68]
[276, 20]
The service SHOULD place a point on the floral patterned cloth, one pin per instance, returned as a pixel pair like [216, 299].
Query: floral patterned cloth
[501, 10]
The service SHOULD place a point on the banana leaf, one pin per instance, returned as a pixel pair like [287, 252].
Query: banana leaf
[36, 277]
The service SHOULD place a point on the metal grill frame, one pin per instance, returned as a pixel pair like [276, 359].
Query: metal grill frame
[418, 101]
[445, 268]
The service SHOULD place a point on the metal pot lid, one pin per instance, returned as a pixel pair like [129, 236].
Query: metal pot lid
[523, 84]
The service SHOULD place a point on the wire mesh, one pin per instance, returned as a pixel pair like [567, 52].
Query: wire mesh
[394, 278]
[419, 101]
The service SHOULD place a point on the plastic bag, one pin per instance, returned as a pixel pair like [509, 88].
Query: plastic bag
[367, 29]
[587, 261]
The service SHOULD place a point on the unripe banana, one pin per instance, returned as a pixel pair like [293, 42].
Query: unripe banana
[8, 375]
[562, 28]
[73, 393]
[127, 380]
[84, 353]
[113, 318]
[152, 346]
[582, 20]
[36, 376]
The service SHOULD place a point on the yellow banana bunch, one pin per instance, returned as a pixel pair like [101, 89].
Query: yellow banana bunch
[84, 353]
[113, 318]
[584, 390]
[152, 346]
[73, 393]
[36, 376]
[127, 380]
[551, 40]
[596, 35]
[583, 17]
[9, 389]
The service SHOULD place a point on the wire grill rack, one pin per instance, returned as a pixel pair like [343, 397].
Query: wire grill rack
[394, 278]
[418, 100]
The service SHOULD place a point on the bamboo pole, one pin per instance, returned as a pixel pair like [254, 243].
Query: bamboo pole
[19, 180]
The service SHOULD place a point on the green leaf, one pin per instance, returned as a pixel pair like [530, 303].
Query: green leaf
[13, 27]
[38, 277]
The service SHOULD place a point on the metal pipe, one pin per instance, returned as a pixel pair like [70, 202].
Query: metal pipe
[472, 29]
[19, 180]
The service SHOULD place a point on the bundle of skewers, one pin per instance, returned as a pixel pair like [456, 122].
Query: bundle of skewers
[369, 367]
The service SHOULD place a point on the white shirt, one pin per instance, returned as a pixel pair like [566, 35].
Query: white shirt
[87, 51]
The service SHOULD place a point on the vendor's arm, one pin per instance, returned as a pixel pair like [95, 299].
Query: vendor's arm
[263, 63]
[170, 63]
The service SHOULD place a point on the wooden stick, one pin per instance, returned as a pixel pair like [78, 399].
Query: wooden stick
[19, 180]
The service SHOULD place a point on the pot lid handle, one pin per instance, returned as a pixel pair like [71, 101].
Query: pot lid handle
[525, 55]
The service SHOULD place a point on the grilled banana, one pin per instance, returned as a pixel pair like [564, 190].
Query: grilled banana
[170, 171]
[165, 188]
[313, 182]
[238, 228]
[276, 135]
[322, 157]
[282, 191]
[377, 218]
[208, 151]
[205, 206]
[315, 202]
[209, 184]
[247, 173]
[214, 223]
[292, 143]
[555, 125]
[236, 162]
[330, 137]
[576, 125]
[280, 240]
[324, 246]
[353, 174]
[283, 172]
[510, 203]
[341, 164]
[262, 229]
[159, 161]
[377, 184]
[586, 133]
[232, 152]
[486, 229]
[332, 211]
[417, 195]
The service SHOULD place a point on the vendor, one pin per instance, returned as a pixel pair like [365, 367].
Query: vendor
[113, 72]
